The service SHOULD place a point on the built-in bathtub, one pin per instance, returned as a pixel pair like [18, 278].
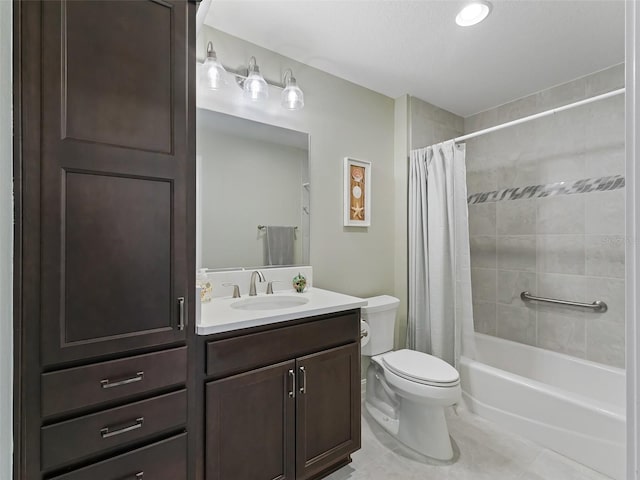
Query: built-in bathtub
[572, 406]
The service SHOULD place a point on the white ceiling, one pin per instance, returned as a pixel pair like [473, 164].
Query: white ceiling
[409, 46]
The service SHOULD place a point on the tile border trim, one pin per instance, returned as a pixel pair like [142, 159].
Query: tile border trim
[586, 185]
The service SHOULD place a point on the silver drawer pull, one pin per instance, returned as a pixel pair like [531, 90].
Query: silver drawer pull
[292, 376]
[181, 321]
[107, 432]
[303, 383]
[106, 383]
[137, 476]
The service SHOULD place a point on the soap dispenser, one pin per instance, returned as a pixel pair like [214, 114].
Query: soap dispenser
[206, 289]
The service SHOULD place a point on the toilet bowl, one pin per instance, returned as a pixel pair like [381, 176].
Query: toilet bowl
[407, 391]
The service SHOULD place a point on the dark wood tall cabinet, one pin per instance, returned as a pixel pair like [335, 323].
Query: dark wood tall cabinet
[105, 207]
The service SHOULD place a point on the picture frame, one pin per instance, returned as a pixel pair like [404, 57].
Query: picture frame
[357, 193]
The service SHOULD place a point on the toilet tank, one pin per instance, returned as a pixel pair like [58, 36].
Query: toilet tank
[380, 314]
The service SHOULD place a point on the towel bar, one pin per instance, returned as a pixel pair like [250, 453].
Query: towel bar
[262, 227]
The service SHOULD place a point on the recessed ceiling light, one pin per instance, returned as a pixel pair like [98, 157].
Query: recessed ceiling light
[473, 13]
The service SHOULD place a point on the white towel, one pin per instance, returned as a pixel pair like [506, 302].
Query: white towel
[278, 246]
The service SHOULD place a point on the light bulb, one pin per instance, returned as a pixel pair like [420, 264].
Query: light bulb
[255, 88]
[292, 97]
[473, 13]
[214, 74]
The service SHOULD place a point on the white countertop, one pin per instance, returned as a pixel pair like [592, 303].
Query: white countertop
[218, 316]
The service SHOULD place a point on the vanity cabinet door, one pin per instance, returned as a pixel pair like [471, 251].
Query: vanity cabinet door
[116, 165]
[328, 409]
[250, 425]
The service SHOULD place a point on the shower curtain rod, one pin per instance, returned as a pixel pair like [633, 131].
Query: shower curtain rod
[539, 115]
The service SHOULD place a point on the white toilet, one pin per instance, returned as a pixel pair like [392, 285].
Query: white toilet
[407, 391]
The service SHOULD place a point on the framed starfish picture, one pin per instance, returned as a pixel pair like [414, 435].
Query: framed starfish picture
[357, 193]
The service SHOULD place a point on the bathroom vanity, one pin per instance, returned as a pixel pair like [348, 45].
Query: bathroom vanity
[283, 402]
[281, 396]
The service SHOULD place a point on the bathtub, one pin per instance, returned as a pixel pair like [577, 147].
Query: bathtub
[572, 406]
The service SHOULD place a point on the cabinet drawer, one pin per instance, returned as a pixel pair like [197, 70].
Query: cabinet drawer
[74, 388]
[246, 352]
[165, 460]
[77, 439]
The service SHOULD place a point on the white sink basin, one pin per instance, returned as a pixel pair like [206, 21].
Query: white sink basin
[276, 302]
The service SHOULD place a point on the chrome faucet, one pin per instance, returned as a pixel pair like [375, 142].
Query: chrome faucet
[252, 283]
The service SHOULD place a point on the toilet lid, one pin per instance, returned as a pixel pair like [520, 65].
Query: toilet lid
[421, 367]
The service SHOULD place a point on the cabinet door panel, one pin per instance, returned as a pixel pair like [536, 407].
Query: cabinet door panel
[114, 171]
[117, 257]
[118, 73]
[328, 409]
[250, 425]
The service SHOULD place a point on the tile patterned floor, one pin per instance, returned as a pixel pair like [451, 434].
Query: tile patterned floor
[486, 452]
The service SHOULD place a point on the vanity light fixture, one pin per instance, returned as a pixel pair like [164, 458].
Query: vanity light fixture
[473, 12]
[255, 87]
[292, 97]
[214, 74]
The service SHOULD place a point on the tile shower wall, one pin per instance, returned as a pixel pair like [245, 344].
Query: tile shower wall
[568, 244]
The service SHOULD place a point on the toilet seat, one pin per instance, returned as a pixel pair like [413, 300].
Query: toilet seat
[421, 368]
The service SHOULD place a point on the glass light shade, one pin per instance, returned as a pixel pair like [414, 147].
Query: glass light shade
[214, 75]
[473, 13]
[292, 96]
[255, 88]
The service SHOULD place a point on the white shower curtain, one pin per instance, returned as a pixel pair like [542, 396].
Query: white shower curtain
[440, 309]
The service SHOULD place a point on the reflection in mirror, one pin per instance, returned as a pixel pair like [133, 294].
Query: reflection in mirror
[253, 193]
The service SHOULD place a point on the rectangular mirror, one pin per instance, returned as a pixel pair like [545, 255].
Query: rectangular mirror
[253, 193]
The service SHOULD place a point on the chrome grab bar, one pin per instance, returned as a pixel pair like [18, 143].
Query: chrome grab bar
[597, 306]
